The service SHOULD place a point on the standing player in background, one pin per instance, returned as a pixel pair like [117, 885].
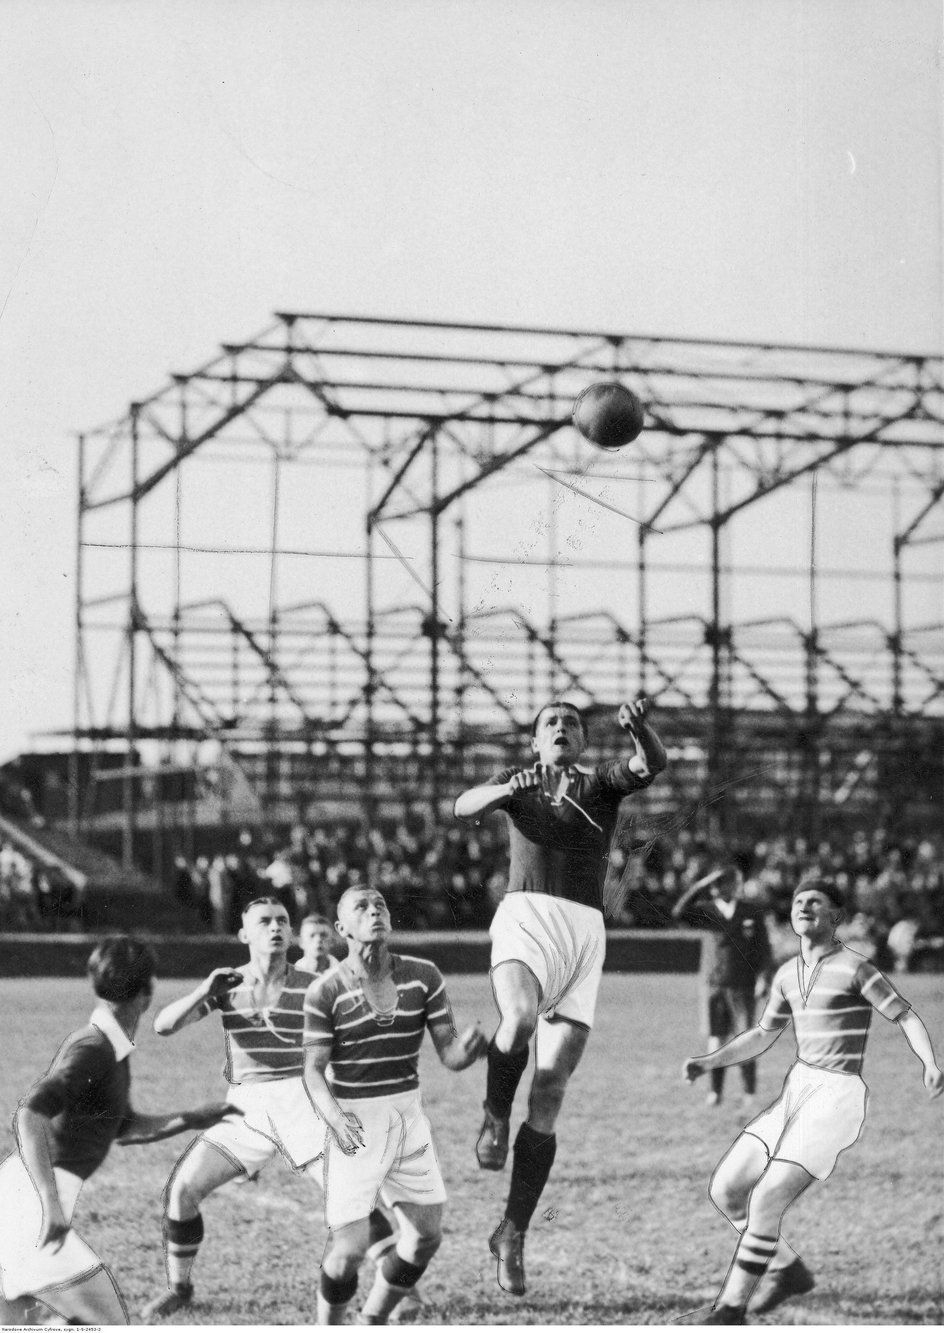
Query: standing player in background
[829, 992]
[260, 1005]
[548, 940]
[366, 1019]
[64, 1128]
[315, 937]
[737, 968]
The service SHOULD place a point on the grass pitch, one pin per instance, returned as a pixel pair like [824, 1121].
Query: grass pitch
[625, 1233]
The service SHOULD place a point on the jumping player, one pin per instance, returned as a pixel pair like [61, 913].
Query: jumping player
[260, 1005]
[737, 968]
[364, 1025]
[829, 991]
[548, 940]
[64, 1128]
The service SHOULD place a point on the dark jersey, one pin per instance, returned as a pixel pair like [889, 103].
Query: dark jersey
[86, 1095]
[560, 847]
[741, 946]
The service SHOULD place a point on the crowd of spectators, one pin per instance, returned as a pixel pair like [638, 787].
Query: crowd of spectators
[452, 876]
[35, 897]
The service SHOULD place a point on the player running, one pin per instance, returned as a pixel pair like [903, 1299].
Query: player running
[64, 1128]
[737, 965]
[366, 1019]
[829, 991]
[548, 940]
[260, 1005]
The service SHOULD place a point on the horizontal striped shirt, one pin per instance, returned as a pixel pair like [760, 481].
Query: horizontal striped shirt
[263, 1044]
[374, 1054]
[831, 1007]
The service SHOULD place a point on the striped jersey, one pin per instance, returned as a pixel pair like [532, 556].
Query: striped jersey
[263, 1044]
[831, 1007]
[373, 1054]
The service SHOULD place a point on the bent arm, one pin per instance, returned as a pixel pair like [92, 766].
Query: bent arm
[746, 1045]
[192, 1007]
[141, 1128]
[32, 1134]
[458, 1052]
[916, 1035]
[650, 757]
[481, 800]
[344, 1127]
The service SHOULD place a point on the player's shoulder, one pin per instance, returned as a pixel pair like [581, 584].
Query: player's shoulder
[413, 968]
[87, 1047]
[784, 973]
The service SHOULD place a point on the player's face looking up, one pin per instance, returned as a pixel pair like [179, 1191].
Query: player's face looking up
[814, 915]
[314, 938]
[266, 928]
[363, 916]
[559, 736]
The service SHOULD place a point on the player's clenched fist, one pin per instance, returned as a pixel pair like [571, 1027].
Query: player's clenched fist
[528, 777]
[221, 980]
[691, 1070]
[633, 713]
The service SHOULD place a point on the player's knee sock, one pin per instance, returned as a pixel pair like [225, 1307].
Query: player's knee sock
[395, 1278]
[751, 1261]
[181, 1243]
[334, 1296]
[533, 1159]
[784, 1254]
[717, 1081]
[749, 1077]
[502, 1079]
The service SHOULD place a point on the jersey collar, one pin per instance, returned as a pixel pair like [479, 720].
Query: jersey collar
[106, 1022]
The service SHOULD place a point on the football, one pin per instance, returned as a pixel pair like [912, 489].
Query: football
[608, 414]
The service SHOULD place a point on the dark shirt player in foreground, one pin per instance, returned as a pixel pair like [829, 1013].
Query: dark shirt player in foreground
[64, 1128]
[829, 992]
[548, 940]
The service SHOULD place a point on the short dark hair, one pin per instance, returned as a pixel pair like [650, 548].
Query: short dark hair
[558, 703]
[317, 919]
[121, 967]
[269, 898]
[827, 887]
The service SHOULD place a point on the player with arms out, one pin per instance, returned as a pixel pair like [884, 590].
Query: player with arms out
[548, 940]
[829, 992]
[364, 1026]
[64, 1128]
[260, 1005]
[737, 964]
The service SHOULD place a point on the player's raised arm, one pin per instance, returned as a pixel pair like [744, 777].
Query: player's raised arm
[650, 757]
[916, 1035]
[458, 1051]
[197, 1003]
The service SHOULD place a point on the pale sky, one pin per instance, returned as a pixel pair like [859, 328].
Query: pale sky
[174, 173]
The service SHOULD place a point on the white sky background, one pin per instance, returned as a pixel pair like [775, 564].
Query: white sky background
[173, 173]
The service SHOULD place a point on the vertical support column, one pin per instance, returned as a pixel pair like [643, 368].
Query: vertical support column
[459, 776]
[810, 749]
[129, 793]
[370, 775]
[433, 630]
[273, 749]
[716, 692]
[75, 771]
[897, 637]
[551, 691]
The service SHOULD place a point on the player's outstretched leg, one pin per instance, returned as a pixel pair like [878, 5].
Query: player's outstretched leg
[202, 1169]
[730, 1190]
[403, 1266]
[517, 997]
[340, 1266]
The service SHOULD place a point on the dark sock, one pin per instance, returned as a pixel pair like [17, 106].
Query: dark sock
[717, 1081]
[533, 1159]
[502, 1079]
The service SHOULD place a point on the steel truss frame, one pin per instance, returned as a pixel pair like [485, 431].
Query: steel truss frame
[429, 419]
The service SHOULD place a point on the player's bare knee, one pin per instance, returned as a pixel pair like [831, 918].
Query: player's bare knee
[517, 1026]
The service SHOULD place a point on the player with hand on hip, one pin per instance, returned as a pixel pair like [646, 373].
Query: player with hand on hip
[830, 993]
[364, 1026]
[548, 939]
[64, 1129]
[260, 1005]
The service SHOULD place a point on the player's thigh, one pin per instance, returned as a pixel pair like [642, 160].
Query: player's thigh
[737, 1173]
[347, 1246]
[515, 989]
[203, 1168]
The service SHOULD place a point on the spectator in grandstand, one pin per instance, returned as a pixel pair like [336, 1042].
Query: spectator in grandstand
[735, 968]
[260, 1005]
[366, 1019]
[548, 940]
[829, 992]
[64, 1129]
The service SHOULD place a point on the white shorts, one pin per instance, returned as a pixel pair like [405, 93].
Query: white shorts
[561, 942]
[25, 1269]
[397, 1163]
[279, 1118]
[818, 1114]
